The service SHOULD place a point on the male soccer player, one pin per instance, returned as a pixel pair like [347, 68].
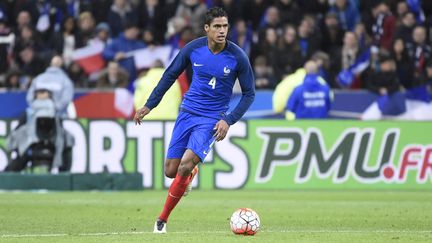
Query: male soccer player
[216, 64]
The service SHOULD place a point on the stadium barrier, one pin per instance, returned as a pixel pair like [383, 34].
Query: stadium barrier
[118, 103]
[261, 154]
[71, 182]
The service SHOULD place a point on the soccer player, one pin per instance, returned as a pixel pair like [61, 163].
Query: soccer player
[216, 64]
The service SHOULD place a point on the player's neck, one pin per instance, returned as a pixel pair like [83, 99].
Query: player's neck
[216, 48]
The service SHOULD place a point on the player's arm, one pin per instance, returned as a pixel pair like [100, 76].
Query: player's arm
[247, 84]
[170, 75]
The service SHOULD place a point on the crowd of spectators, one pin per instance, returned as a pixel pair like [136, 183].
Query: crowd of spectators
[279, 36]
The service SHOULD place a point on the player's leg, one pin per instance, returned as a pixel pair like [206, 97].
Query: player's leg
[171, 166]
[189, 187]
[177, 188]
[177, 147]
[201, 142]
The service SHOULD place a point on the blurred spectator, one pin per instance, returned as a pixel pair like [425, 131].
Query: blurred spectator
[102, 34]
[322, 60]
[289, 11]
[404, 69]
[29, 63]
[74, 8]
[7, 39]
[383, 81]
[152, 17]
[284, 89]
[27, 37]
[23, 19]
[271, 19]
[193, 12]
[347, 12]
[312, 23]
[170, 7]
[64, 41]
[169, 106]
[384, 25]
[401, 9]
[253, 10]
[175, 28]
[264, 77]
[56, 81]
[405, 28]
[314, 7]
[121, 13]
[311, 99]
[332, 34]
[78, 76]
[420, 53]
[186, 35]
[100, 9]
[113, 77]
[385, 84]
[120, 50]
[267, 46]
[148, 37]
[86, 27]
[308, 44]
[242, 35]
[288, 57]
[363, 37]
[345, 56]
[13, 81]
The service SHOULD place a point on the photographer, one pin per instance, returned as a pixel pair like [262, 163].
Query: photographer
[56, 81]
[40, 137]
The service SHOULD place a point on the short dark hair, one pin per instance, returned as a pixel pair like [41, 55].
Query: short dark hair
[213, 13]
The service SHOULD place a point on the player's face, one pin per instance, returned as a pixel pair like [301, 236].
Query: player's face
[217, 30]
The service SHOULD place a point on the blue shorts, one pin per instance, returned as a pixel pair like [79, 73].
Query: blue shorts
[192, 132]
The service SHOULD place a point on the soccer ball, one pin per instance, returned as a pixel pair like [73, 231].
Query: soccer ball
[245, 221]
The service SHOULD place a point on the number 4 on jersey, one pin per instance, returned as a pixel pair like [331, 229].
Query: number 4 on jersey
[212, 82]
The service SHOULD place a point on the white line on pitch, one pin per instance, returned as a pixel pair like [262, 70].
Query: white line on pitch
[32, 235]
[218, 232]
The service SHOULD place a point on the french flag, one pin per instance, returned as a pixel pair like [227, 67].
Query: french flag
[90, 58]
[346, 76]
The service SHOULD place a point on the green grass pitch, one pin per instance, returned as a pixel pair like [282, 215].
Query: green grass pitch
[203, 216]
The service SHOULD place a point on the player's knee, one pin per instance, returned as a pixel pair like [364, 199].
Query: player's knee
[170, 167]
[186, 168]
[170, 173]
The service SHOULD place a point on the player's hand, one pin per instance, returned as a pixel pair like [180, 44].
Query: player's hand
[221, 130]
[119, 56]
[383, 91]
[140, 114]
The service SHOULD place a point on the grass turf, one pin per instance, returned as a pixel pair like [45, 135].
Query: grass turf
[203, 216]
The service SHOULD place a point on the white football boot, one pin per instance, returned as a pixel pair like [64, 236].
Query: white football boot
[160, 227]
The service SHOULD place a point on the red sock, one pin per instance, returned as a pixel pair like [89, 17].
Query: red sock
[175, 193]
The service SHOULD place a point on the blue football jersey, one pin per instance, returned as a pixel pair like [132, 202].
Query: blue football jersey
[213, 79]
